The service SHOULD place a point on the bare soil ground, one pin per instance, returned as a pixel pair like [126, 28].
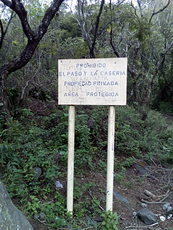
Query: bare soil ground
[158, 181]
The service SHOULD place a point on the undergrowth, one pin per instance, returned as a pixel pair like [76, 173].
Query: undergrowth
[31, 141]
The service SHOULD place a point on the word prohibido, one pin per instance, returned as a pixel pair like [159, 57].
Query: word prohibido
[90, 65]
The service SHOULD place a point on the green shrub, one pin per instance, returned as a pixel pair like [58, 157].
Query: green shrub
[110, 221]
[141, 138]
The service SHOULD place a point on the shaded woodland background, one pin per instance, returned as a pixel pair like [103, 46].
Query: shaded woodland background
[142, 32]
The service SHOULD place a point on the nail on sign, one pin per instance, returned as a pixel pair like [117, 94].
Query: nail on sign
[101, 81]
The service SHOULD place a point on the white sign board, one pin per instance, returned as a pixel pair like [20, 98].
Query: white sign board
[100, 81]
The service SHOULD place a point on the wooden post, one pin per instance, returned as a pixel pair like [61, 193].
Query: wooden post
[110, 159]
[70, 172]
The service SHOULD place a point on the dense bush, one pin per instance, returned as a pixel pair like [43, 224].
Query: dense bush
[142, 138]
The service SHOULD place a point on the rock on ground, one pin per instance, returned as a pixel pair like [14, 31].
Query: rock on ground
[10, 217]
[146, 216]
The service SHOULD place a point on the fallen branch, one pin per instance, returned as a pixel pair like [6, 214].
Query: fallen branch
[140, 227]
[150, 194]
[155, 202]
[42, 222]
[164, 196]
[90, 193]
[75, 228]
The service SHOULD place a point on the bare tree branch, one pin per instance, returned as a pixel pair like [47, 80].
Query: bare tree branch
[2, 11]
[33, 37]
[7, 3]
[18, 7]
[50, 13]
[135, 11]
[3, 32]
[163, 54]
[159, 11]
[112, 44]
[96, 28]
[82, 23]
[139, 4]
[160, 63]
[111, 31]
[140, 7]
[120, 2]
[86, 32]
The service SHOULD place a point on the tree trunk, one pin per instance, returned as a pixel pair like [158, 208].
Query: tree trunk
[3, 95]
[10, 67]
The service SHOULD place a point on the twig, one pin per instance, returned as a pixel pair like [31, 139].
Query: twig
[150, 194]
[155, 164]
[75, 228]
[159, 11]
[153, 177]
[155, 202]
[140, 227]
[169, 177]
[42, 222]
[90, 193]
[166, 196]
[29, 81]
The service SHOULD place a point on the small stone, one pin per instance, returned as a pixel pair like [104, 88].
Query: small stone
[167, 207]
[37, 172]
[39, 216]
[36, 216]
[42, 216]
[162, 218]
[58, 184]
[143, 205]
[146, 216]
[141, 169]
[121, 198]
[134, 213]
[169, 216]
[61, 220]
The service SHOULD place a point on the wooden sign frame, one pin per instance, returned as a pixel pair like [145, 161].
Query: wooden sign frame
[101, 81]
[92, 82]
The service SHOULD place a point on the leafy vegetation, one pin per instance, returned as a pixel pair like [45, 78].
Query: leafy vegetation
[110, 221]
[33, 141]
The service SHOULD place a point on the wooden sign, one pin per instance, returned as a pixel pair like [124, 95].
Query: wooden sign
[92, 81]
